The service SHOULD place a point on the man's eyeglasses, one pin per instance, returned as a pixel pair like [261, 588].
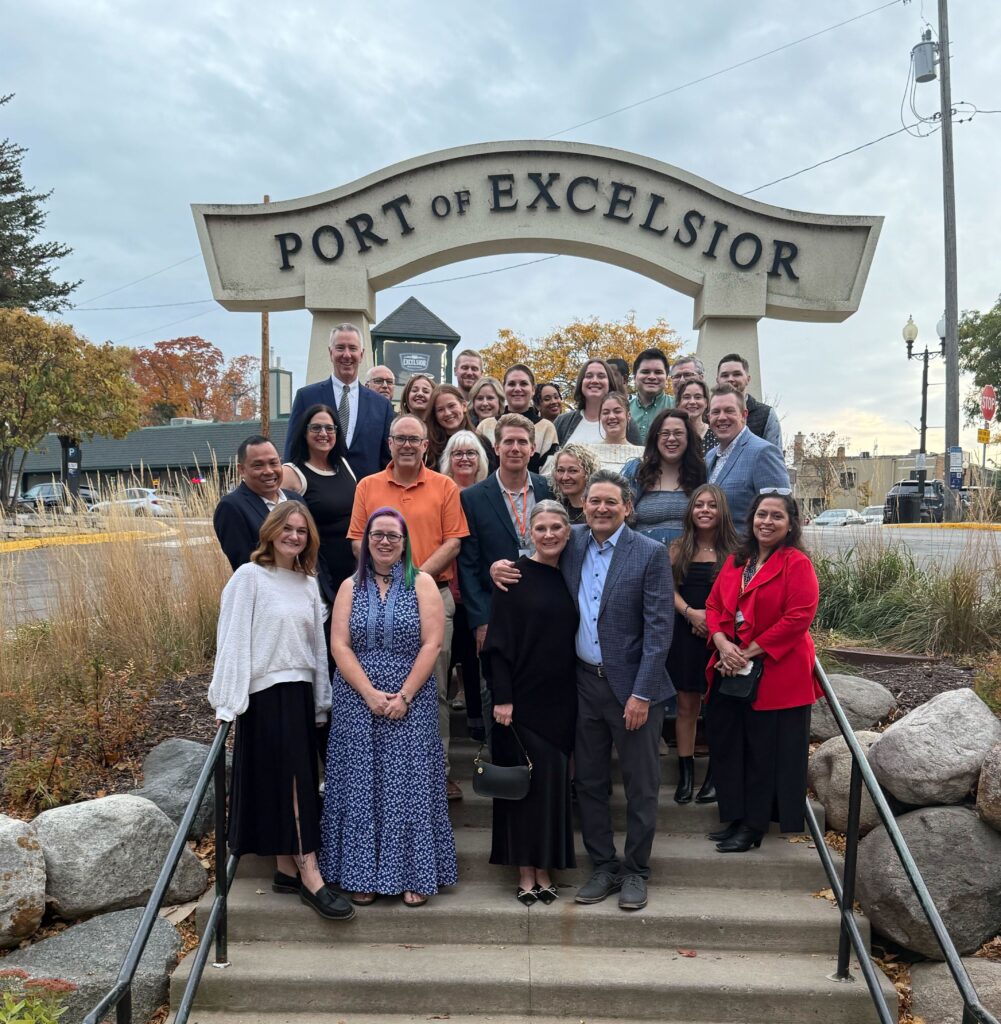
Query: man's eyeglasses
[381, 535]
[406, 440]
[322, 428]
[781, 491]
[382, 380]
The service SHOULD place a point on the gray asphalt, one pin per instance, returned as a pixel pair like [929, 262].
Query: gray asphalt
[29, 577]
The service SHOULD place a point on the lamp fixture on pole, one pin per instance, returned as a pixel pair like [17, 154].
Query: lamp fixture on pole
[910, 335]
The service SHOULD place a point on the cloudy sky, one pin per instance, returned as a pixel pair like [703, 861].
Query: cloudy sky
[133, 111]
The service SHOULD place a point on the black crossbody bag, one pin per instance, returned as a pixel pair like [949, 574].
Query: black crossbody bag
[501, 782]
[743, 687]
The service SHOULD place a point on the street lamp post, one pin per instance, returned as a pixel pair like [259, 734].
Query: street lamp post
[910, 334]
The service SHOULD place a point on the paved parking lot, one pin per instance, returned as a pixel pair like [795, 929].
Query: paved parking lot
[928, 545]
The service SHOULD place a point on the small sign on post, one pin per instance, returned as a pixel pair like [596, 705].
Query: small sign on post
[983, 435]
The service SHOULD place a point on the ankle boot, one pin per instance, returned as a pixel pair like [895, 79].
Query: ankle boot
[741, 841]
[686, 780]
[707, 794]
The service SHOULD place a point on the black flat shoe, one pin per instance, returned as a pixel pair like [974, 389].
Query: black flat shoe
[286, 883]
[722, 834]
[547, 895]
[327, 903]
[526, 897]
[741, 841]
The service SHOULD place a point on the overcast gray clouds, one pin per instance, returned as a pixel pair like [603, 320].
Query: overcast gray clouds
[131, 112]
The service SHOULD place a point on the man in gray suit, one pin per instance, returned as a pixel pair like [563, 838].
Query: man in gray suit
[621, 582]
[742, 464]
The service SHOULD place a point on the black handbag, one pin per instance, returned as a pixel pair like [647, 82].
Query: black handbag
[744, 687]
[501, 782]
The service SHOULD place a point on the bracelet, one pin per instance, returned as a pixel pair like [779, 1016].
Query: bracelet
[405, 699]
[687, 619]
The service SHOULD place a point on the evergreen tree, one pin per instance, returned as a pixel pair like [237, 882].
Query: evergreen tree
[26, 264]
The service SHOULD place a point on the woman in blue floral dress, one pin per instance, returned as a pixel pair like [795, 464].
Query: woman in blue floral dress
[385, 827]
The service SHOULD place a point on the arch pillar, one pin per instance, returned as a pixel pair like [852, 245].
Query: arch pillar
[727, 311]
[337, 297]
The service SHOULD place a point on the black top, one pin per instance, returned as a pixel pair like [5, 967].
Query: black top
[576, 514]
[329, 498]
[529, 658]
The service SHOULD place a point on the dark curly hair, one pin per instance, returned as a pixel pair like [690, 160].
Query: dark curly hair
[793, 539]
[692, 472]
[299, 449]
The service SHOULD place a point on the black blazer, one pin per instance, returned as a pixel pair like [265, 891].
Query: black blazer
[369, 451]
[491, 536]
[237, 521]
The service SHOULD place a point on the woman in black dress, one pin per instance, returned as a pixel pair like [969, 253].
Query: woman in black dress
[708, 538]
[530, 664]
[319, 471]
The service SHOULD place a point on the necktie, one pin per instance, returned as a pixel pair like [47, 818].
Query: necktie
[344, 411]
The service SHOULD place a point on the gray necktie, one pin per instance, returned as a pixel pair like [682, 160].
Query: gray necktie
[344, 411]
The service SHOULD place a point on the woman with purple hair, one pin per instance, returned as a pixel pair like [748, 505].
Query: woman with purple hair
[385, 826]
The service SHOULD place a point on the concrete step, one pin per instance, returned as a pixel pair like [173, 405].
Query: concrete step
[678, 859]
[477, 812]
[488, 913]
[289, 1016]
[530, 980]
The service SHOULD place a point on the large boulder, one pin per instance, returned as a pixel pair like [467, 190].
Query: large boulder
[865, 704]
[935, 998]
[90, 955]
[170, 772]
[106, 854]
[989, 788]
[959, 858]
[830, 777]
[22, 882]
[934, 754]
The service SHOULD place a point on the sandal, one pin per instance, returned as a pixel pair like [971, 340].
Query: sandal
[414, 899]
[547, 895]
[362, 899]
[526, 897]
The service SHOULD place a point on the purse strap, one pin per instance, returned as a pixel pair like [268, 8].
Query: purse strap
[528, 760]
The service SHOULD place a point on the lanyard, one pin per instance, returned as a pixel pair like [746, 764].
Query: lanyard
[520, 521]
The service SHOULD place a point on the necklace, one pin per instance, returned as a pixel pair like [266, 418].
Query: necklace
[707, 547]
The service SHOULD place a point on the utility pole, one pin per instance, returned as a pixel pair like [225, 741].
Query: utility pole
[952, 509]
[265, 369]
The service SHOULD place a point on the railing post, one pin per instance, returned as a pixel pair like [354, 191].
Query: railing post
[848, 878]
[221, 936]
[123, 1011]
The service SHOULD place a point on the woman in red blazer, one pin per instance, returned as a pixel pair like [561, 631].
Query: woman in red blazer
[765, 598]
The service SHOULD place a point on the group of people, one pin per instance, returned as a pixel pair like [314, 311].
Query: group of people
[577, 569]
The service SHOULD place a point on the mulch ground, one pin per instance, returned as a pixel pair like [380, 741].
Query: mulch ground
[916, 683]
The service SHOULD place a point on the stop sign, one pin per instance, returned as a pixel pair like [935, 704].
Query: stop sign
[988, 402]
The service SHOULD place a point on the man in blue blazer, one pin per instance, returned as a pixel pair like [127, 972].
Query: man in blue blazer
[238, 516]
[368, 414]
[743, 464]
[622, 585]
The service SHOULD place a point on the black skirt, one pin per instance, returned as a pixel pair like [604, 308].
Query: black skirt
[760, 761]
[274, 751]
[537, 831]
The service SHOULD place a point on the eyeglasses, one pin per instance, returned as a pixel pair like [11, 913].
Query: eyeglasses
[382, 380]
[464, 455]
[322, 428]
[381, 535]
[684, 375]
[672, 435]
[406, 440]
[782, 491]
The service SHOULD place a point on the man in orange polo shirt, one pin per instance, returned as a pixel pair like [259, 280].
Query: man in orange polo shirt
[429, 502]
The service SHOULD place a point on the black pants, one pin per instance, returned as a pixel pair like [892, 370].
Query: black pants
[600, 726]
[464, 655]
[759, 762]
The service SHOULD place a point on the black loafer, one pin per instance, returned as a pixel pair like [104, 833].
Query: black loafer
[547, 895]
[526, 897]
[327, 903]
[286, 883]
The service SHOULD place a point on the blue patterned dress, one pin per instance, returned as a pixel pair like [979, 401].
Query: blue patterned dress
[385, 824]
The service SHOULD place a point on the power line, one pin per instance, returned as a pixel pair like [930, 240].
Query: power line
[160, 327]
[138, 280]
[158, 305]
[723, 71]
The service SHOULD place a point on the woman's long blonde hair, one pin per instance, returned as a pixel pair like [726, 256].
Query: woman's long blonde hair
[271, 528]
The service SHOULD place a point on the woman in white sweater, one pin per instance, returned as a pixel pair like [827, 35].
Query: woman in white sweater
[271, 678]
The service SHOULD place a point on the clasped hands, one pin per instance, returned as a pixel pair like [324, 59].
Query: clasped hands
[386, 705]
[731, 658]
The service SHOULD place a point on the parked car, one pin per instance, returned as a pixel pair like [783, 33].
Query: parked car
[839, 517]
[142, 501]
[932, 509]
[873, 514]
[53, 497]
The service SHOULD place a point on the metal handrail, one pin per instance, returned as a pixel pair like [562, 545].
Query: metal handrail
[120, 995]
[844, 888]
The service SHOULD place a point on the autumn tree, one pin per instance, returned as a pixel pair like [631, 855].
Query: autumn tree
[236, 395]
[25, 263]
[53, 380]
[821, 467]
[559, 355]
[177, 378]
